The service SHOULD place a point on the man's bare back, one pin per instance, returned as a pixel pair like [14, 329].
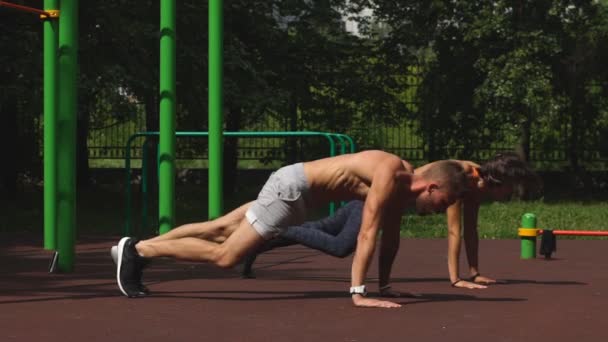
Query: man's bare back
[348, 176]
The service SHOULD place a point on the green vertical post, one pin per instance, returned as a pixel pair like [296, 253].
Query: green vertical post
[527, 234]
[66, 134]
[166, 168]
[50, 127]
[215, 108]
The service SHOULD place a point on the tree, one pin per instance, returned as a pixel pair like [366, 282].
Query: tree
[503, 69]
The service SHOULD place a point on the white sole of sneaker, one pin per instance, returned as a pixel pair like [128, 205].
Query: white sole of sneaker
[120, 249]
[114, 254]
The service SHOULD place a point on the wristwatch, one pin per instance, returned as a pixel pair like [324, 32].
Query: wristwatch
[358, 290]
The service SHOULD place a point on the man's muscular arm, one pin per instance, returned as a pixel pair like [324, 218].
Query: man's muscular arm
[389, 246]
[384, 186]
[471, 242]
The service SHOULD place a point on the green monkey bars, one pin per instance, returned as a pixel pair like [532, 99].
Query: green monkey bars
[60, 107]
[343, 139]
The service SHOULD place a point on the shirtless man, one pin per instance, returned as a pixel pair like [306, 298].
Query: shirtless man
[378, 177]
[492, 180]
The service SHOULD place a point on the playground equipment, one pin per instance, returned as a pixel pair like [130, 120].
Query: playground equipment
[528, 233]
[44, 14]
[343, 139]
[60, 103]
[60, 23]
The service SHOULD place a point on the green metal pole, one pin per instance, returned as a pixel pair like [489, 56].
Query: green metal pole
[351, 142]
[528, 242]
[66, 134]
[166, 176]
[215, 109]
[50, 127]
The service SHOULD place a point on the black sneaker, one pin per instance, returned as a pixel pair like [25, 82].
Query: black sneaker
[129, 267]
[114, 255]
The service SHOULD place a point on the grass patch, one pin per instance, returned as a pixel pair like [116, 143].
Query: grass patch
[101, 210]
[500, 220]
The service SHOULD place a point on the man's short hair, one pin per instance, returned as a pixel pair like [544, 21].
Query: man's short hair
[449, 175]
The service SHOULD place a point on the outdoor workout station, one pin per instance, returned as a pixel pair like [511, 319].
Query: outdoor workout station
[60, 82]
[529, 232]
[453, 281]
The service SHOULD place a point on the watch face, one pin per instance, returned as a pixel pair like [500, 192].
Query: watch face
[358, 290]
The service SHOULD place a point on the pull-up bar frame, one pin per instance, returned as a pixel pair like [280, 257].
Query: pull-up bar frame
[342, 138]
[44, 14]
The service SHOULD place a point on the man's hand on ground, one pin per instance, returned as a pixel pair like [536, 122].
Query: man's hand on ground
[468, 285]
[361, 301]
[484, 280]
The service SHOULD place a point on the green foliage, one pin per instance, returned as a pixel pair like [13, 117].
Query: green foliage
[500, 69]
[427, 79]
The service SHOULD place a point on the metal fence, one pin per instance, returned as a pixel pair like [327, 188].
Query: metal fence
[108, 143]
[549, 146]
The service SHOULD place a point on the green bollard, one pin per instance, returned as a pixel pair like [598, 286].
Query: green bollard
[528, 233]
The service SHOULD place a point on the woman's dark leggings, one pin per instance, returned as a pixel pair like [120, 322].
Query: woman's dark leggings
[335, 235]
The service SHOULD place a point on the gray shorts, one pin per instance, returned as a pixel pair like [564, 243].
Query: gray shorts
[281, 202]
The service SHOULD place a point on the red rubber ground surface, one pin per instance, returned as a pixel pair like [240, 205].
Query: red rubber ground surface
[300, 296]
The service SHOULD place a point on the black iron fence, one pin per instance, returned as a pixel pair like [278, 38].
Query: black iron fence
[405, 139]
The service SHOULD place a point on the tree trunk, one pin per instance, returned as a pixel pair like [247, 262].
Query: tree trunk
[152, 124]
[230, 160]
[291, 150]
[577, 97]
[523, 150]
[523, 145]
[574, 137]
[83, 174]
[429, 133]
